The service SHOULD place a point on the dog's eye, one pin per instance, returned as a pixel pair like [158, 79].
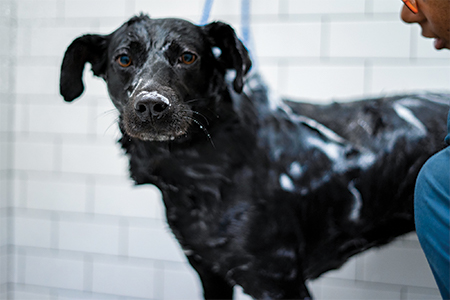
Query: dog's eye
[188, 58]
[124, 61]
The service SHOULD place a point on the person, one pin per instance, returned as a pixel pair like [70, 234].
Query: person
[432, 191]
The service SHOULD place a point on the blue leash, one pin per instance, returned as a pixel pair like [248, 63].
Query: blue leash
[245, 21]
[245, 18]
[206, 12]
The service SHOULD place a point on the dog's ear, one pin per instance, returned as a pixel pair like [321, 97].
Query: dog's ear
[87, 48]
[234, 54]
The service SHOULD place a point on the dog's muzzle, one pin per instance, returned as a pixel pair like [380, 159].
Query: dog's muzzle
[151, 105]
[153, 115]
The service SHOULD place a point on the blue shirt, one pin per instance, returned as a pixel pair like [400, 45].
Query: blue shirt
[447, 138]
[432, 214]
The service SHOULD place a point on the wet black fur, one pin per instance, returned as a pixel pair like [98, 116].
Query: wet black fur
[259, 196]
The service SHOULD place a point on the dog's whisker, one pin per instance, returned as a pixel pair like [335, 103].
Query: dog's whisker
[199, 114]
[200, 99]
[193, 100]
[114, 123]
[203, 128]
[108, 112]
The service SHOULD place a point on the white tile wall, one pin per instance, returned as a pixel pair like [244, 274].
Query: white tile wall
[72, 225]
[187, 284]
[316, 82]
[55, 195]
[326, 6]
[89, 237]
[32, 232]
[91, 158]
[155, 244]
[369, 39]
[403, 266]
[36, 156]
[176, 8]
[29, 9]
[41, 79]
[92, 9]
[52, 272]
[124, 279]
[128, 201]
[411, 77]
[287, 40]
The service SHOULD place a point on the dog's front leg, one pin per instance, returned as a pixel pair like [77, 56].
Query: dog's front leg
[214, 286]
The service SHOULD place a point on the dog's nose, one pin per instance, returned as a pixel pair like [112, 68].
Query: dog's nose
[151, 105]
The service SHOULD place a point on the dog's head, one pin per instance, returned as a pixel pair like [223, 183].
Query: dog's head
[159, 72]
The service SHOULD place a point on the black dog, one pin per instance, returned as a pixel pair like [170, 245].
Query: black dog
[260, 195]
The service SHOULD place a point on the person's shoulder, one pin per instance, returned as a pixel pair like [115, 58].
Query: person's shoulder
[436, 170]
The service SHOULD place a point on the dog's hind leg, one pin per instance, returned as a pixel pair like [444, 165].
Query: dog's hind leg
[214, 286]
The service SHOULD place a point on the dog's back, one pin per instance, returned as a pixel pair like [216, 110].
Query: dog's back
[350, 168]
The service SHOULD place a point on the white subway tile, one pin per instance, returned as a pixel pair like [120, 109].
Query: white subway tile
[226, 7]
[172, 8]
[402, 266]
[20, 119]
[270, 73]
[133, 201]
[32, 80]
[56, 118]
[386, 6]
[326, 6]
[410, 78]
[4, 156]
[94, 159]
[154, 244]
[32, 232]
[56, 195]
[369, 39]
[315, 288]
[417, 293]
[5, 77]
[5, 183]
[54, 272]
[3, 271]
[355, 290]
[95, 9]
[264, 7]
[123, 280]
[287, 39]
[27, 9]
[15, 293]
[4, 224]
[53, 41]
[33, 156]
[23, 40]
[324, 82]
[182, 284]
[6, 115]
[89, 237]
[5, 46]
